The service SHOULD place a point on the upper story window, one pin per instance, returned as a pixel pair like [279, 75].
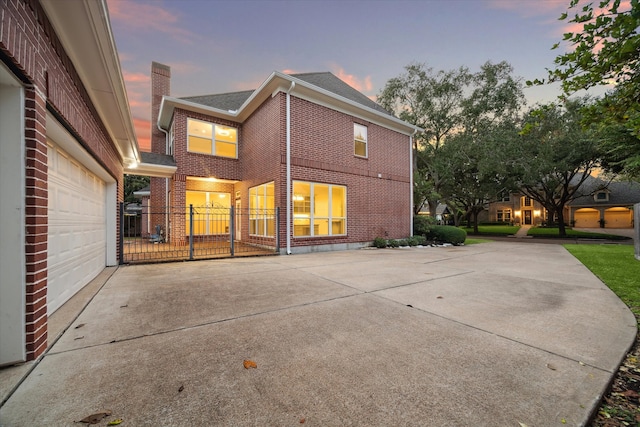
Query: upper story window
[213, 139]
[527, 201]
[360, 140]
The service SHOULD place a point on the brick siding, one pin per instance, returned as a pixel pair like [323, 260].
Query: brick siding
[31, 49]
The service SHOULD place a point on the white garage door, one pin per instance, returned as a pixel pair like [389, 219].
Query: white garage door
[77, 227]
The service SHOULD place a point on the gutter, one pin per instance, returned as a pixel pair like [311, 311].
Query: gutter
[288, 227]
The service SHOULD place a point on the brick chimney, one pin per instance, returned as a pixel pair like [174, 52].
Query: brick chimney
[160, 86]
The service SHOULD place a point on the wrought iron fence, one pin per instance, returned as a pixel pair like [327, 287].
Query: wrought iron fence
[196, 232]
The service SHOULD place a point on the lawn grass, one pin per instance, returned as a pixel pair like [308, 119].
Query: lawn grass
[554, 232]
[494, 230]
[616, 266]
[473, 241]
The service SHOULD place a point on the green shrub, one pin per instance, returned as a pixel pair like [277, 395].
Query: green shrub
[380, 242]
[417, 240]
[393, 243]
[421, 224]
[446, 234]
[403, 242]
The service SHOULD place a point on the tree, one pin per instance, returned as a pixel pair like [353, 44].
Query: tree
[476, 155]
[446, 104]
[431, 100]
[133, 183]
[605, 51]
[557, 155]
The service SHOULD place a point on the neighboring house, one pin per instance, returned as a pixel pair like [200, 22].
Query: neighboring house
[66, 134]
[600, 204]
[604, 204]
[335, 163]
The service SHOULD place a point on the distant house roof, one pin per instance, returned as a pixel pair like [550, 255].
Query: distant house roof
[621, 193]
[154, 164]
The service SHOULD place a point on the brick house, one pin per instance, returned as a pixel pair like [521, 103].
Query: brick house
[335, 163]
[66, 135]
[598, 203]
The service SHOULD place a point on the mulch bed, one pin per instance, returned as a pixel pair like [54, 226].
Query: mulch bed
[621, 406]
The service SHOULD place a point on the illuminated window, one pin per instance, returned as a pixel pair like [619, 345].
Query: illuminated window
[262, 218]
[211, 212]
[360, 140]
[504, 215]
[319, 209]
[209, 138]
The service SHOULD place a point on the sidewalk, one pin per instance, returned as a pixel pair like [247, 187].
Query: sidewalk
[491, 334]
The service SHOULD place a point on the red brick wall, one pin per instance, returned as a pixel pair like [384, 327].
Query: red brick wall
[32, 50]
[378, 187]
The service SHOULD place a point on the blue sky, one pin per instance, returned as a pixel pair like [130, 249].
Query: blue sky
[215, 46]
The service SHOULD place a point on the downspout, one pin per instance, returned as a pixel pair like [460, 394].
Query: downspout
[166, 184]
[411, 177]
[288, 226]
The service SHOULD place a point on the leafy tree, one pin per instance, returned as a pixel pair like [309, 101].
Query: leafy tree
[447, 104]
[557, 155]
[606, 51]
[431, 100]
[133, 183]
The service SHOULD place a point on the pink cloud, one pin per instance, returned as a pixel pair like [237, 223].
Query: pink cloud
[135, 77]
[143, 132]
[148, 17]
[362, 84]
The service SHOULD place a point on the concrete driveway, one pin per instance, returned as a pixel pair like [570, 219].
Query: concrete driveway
[494, 334]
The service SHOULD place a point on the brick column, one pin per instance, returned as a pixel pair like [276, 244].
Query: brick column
[36, 223]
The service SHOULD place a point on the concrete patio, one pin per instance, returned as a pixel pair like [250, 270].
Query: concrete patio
[493, 334]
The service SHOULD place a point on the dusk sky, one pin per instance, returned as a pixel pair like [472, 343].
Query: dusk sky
[215, 46]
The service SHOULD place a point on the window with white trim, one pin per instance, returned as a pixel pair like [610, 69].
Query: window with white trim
[262, 216]
[504, 215]
[360, 140]
[319, 209]
[208, 138]
[210, 212]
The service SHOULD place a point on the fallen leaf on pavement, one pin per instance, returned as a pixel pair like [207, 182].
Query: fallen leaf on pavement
[180, 389]
[115, 422]
[550, 366]
[249, 364]
[80, 326]
[95, 418]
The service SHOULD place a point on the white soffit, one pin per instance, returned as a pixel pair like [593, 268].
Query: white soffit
[85, 33]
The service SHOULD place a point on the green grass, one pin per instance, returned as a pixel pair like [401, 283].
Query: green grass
[616, 266]
[494, 230]
[554, 232]
[468, 242]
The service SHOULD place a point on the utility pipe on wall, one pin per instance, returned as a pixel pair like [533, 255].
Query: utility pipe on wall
[288, 226]
[166, 186]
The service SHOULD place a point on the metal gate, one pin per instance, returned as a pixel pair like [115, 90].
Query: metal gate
[196, 232]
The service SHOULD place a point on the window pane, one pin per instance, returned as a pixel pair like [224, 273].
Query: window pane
[337, 226]
[226, 134]
[360, 139]
[361, 149]
[198, 128]
[225, 149]
[321, 200]
[321, 227]
[302, 198]
[338, 207]
[199, 145]
[301, 227]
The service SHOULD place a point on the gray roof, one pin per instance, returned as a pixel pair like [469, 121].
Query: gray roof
[157, 159]
[621, 193]
[233, 100]
[224, 101]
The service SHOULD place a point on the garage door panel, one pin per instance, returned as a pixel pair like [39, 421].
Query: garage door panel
[77, 227]
[587, 219]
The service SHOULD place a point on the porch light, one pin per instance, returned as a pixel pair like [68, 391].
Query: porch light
[516, 213]
[536, 212]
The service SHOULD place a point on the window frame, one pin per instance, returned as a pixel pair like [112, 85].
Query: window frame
[213, 141]
[264, 215]
[357, 140]
[308, 211]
